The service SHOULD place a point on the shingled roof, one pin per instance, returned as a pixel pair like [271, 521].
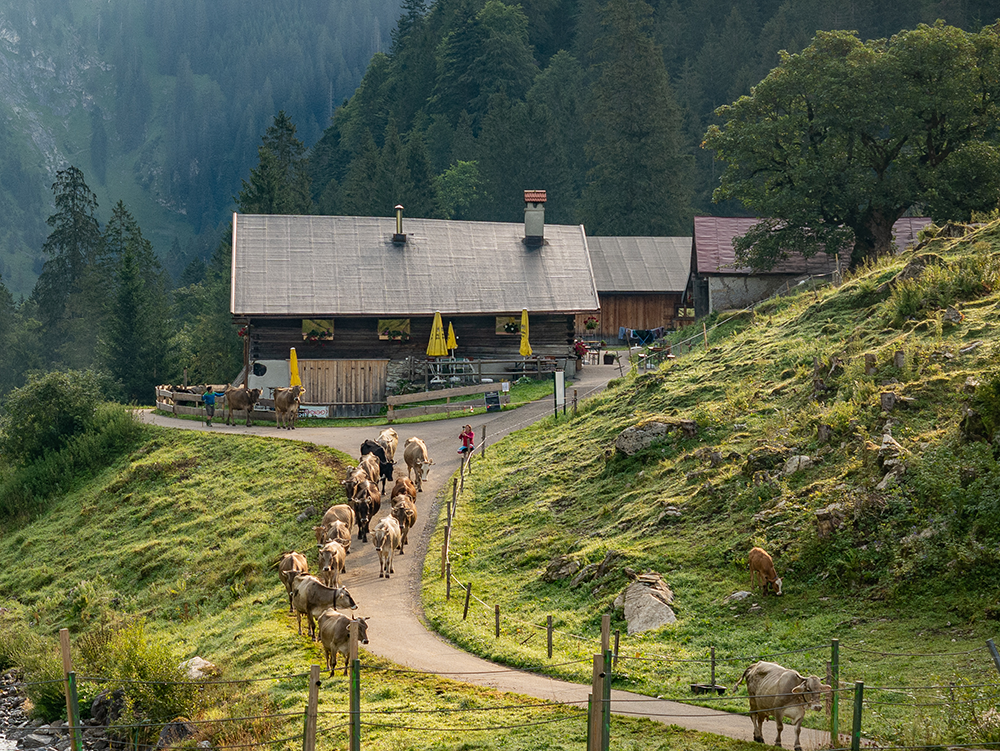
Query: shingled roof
[714, 254]
[640, 264]
[347, 265]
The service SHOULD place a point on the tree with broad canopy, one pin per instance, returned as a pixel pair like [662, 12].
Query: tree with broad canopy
[843, 139]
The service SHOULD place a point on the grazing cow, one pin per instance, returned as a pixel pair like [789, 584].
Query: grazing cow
[761, 566]
[417, 460]
[388, 439]
[240, 399]
[404, 511]
[335, 532]
[355, 475]
[311, 597]
[386, 538]
[336, 637]
[384, 465]
[780, 693]
[291, 564]
[404, 486]
[331, 562]
[367, 501]
[286, 405]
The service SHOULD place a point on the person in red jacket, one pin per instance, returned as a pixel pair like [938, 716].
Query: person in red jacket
[468, 439]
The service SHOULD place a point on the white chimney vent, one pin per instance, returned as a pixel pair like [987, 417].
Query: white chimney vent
[534, 217]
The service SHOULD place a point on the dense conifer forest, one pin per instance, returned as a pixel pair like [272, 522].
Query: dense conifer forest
[132, 130]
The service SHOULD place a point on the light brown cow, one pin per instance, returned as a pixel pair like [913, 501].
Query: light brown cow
[417, 460]
[388, 439]
[331, 562]
[404, 486]
[404, 511]
[781, 693]
[286, 405]
[336, 532]
[340, 512]
[240, 399]
[291, 564]
[336, 638]
[762, 567]
[355, 475]
[369, 463]
[386, 538]
[310, 597]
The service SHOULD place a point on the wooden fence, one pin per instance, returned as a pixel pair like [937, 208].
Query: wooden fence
[448, 407]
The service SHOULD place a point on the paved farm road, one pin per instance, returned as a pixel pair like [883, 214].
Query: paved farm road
[396, 629]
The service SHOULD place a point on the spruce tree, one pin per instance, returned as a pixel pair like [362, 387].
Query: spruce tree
[280, 184]
[640, 183]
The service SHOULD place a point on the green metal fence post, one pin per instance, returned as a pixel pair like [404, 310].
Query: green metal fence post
[606, 704]
[835, 699]
[993, 651]
[74, 714]
[859, 692]
[355, 707]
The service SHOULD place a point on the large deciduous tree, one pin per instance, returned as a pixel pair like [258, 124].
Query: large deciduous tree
[841, 140]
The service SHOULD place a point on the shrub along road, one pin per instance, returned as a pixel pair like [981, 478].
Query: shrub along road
[397, 628]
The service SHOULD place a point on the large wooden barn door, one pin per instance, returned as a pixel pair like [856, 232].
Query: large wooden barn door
[351, 387]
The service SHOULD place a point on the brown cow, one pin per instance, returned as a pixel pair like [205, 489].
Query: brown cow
[286, 405]
[386, 538]
[331, 562]
[310, 597]
[782, 693]
[291, 564]
[240, 399]
[367, 501]
[761, 566]
[336, 638]
[417, 460]
[388, 439]
[404, 511]
[355, 475]
[335, 532]
[370, 464]
[404, 486]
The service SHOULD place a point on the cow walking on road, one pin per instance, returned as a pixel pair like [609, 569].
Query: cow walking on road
[781, 693]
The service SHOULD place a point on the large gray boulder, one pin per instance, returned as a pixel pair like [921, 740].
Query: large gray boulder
[646, 603]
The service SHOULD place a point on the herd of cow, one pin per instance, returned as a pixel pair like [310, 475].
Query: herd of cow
[319, 597]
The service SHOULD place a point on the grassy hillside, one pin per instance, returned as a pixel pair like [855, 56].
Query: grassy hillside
[171, 553]
[907, 576]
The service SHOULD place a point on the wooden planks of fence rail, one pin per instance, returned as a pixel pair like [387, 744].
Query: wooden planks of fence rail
[392, 413]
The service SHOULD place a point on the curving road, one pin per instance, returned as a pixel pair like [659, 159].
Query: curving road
[394, 604]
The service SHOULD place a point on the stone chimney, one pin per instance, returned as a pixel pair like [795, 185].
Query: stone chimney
[534, 217]
[399, 237]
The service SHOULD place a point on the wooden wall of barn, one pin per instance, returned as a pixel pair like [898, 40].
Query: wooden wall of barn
[647, 311]
[357, 339]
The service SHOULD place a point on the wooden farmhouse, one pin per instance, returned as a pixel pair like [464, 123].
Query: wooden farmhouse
[641, 283]
[356, 298]
[718, 283]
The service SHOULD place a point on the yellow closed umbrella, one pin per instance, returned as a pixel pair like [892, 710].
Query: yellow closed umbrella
[293, 368]
[452, 342]
[525, 346]
[438, 345]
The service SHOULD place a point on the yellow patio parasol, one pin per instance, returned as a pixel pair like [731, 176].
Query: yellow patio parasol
[452, 341]
[525, 346]
[293, 369]
[437, 346]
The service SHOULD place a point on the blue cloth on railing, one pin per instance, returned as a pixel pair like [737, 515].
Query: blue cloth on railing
[622, 333]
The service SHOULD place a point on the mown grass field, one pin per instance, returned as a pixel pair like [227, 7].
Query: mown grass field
[907, 583]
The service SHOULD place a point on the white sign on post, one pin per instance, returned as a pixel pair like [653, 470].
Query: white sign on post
[560, 389]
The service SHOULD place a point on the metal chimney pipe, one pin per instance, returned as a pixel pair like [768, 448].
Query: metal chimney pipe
[399, 237]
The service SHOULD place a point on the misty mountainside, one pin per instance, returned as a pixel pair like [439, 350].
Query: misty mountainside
[162, 105]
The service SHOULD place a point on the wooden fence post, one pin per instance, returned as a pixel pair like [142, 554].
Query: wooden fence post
[704, 331]
[597, 692]
[574, 402]
[605, 632]
[618, 635]
[309, 741]
[445, 563]
[496, 613]
[712, 657]
[454, 496]
[548, 628]
[468, 594]
[606, 703]
[484, 441]
[447, 578]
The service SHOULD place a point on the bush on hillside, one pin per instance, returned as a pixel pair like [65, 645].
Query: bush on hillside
[38, 658]
[987, 402]
[55, 449]
[939, 286]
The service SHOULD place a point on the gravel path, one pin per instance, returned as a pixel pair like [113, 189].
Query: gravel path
[394, 605]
